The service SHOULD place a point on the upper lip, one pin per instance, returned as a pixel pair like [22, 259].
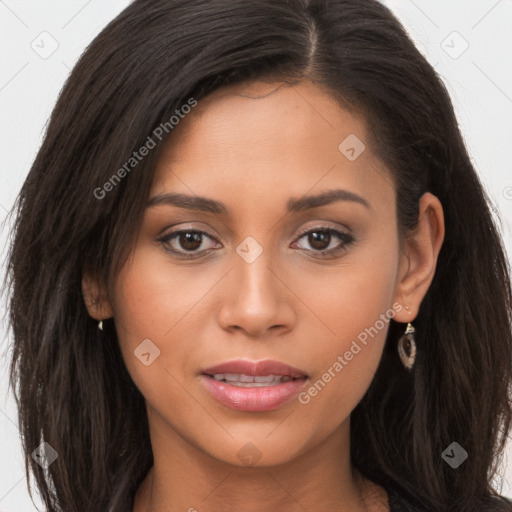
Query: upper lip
[255, 368]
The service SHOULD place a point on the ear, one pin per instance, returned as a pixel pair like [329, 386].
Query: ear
[418, 258]
[95, 297]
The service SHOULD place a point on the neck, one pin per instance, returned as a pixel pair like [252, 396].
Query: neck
[185, 478]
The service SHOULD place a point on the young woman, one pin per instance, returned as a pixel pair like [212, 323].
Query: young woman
[254, 269]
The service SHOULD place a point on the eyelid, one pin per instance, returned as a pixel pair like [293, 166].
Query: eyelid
[342, 229]
[166, 237]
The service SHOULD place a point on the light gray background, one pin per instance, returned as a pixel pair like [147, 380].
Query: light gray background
[479, 79]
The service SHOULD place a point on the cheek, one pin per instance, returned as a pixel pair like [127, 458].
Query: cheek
[163, 303]
[152, 296]
[355, 314]
[345, 366]
[146, 309]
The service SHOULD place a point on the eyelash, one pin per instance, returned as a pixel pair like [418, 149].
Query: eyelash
[345, 237]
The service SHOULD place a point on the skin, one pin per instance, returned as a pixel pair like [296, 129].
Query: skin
[254, 146]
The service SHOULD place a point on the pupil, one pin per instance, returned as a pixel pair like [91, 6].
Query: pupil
[315, 239]
[190, 240]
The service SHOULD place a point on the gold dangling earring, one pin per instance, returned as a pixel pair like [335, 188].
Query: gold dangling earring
[407, 347]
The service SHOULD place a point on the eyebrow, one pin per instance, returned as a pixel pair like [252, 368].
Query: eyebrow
[294, 205]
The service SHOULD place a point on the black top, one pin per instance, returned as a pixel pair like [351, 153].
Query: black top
[397, 503]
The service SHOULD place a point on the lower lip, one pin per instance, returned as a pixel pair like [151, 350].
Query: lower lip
[264, 398]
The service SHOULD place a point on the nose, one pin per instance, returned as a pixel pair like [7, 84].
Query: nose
[256, 299]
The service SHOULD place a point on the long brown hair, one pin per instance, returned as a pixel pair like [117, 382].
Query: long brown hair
[71, 385]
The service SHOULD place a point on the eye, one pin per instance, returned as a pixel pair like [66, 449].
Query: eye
[321, 238]
[190, 243]
[185, 241]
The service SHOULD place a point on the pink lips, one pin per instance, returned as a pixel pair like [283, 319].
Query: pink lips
[264, 398]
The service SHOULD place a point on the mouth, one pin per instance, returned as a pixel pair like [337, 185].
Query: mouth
[251, 381]
[253, 386]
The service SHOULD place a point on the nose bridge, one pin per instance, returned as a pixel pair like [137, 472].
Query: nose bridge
[256, 301]
[256, 281]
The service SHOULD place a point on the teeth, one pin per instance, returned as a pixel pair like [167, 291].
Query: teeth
[250, 381]
[260, 378]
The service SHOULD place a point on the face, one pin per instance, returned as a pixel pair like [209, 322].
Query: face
[261, 272]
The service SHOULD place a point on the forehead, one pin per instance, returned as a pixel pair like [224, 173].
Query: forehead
[256, 138]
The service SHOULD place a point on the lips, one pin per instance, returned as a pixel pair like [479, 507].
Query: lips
[253, 386]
